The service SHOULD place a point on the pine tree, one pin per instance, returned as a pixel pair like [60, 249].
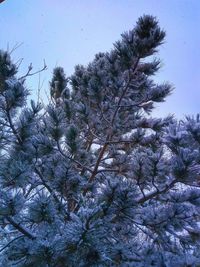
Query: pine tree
[92, 179]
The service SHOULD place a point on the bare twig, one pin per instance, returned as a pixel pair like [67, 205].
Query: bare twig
[29, 73]
[16, 46]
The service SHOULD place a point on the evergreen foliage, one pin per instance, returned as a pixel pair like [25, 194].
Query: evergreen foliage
[92, 179]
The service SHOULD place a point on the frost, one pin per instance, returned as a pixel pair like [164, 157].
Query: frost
[91, 179]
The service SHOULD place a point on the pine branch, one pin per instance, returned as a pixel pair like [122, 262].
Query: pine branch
[104, 147]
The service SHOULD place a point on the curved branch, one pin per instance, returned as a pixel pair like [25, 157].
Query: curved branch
[8, 244]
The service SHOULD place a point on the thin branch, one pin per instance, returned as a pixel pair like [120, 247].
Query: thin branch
[134, 69]
[72, 159]
[13, 127]
[16, 46]
[108, 170]
[50, 190]
[156, 193]
[18, 63]
[29, 73]
[20, 228]
[96, 136]
[46, 185]
[95, 171]
[153, 183]
[121, 142]
[102, 114]
[140, 104]
[8, 244]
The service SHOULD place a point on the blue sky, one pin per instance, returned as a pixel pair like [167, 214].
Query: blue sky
[67, 33]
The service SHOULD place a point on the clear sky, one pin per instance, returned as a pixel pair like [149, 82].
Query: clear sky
[66, 33]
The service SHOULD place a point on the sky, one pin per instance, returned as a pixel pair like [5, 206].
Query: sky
[66, 33]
